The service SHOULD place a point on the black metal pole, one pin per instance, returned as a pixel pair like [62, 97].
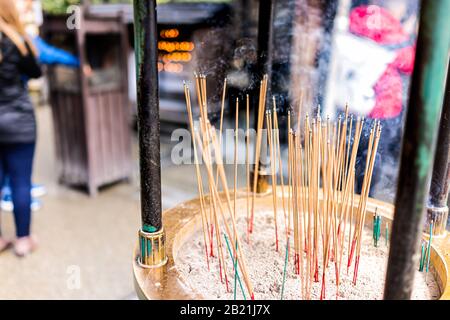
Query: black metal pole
[265, 37]
[419, 142]
[265, 45]
[146, 46]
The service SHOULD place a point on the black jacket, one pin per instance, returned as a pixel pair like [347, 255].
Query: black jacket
[17, 120]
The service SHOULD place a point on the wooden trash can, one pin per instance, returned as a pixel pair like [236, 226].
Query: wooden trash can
[90, 105]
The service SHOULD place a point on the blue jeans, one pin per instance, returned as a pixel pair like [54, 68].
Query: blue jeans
[16, 162]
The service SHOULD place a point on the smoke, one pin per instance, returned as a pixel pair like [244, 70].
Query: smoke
[302, 44]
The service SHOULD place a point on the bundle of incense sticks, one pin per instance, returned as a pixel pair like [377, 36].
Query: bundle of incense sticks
[321, 188]
[222, 213]
[318, 203]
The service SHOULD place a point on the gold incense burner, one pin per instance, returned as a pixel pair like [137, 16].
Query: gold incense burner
[183, 220]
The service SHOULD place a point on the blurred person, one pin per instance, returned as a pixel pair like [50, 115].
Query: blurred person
[17, 121]
[48, 55]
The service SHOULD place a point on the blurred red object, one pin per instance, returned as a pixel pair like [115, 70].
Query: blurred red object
[404, 61]
[378, 24]
[388, 92]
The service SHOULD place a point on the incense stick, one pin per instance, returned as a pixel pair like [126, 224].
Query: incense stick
[235, 265]
[261, 107]
[236, 141]
[222, 108]
[272, 170]
[277, 149]
[197, 169]
[429, 247]
[247, 162]
[286, 259]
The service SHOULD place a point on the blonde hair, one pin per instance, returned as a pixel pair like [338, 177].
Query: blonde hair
[12, 27]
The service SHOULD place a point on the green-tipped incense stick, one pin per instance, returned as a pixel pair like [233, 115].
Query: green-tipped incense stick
[235, 273]
[429, 246]
[374, 224]
[422, 257]
[232, 259]
[377, 230]
[285, 268]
